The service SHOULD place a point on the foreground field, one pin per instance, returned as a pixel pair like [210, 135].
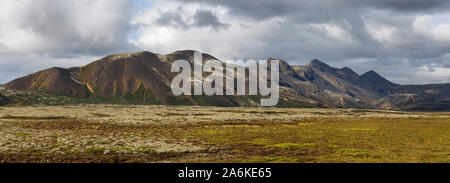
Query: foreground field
[126, 133]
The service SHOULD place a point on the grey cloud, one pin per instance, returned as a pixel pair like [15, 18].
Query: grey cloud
[14, 65]
[67, 32]
[63, 33]
[262, 9]
[204, 18]
[298, 44]
[201, 18]
[409, 5]
[258, 9]
[172, 19]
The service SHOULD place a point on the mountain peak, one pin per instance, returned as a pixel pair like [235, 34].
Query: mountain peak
[126, 55]
[282, 62]
[371, 74]
[184, 52]
[374, 77]
[316, 61]
[317, 64]
[189, 54]
[347, 69]
[347, 74]
[286, 69]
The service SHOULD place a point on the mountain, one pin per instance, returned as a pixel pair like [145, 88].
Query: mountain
[145, 78]
[140, 78]
[417, 97]
[55, 80]
[338, 81]
[375, 83]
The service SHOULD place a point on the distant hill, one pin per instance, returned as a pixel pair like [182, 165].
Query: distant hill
[145, 78]
[417, 97]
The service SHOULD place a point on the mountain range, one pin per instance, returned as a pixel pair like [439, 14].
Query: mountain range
[145, 78]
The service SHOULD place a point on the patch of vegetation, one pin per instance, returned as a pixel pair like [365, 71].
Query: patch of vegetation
[361, 129]
[105, 142]
[38, 83]
[360, 153]
[4, 100]
[286, 146]
[141, 96]
[39, 97]
[222, 101]
[356, 104]
[101, 115]
[332, 146]
[183, 101]
[276, 159]
[293, 104]
[33, 150]
[145, 150]
[53, 136]
[34, 118]
[23, 135]
[86, 70]
[95, 150]
[121, 149]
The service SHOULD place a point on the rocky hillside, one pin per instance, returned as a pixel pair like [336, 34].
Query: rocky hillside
[139, 78]
[145, 78]
[417, 97]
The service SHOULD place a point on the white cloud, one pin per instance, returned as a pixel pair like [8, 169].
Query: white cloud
[13, 66]
[334, 32]
[436, 26]
[64, 27]
[433, 73]
[238, 40]
[37, 34]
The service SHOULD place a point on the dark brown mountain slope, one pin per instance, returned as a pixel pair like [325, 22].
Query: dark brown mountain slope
[56, 80]
[140, 77]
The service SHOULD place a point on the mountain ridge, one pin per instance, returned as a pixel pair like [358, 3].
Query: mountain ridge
[144, 77]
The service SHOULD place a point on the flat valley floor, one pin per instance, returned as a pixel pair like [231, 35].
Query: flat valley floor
[133, 133]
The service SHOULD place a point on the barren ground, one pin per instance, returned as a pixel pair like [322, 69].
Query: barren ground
[131, 133]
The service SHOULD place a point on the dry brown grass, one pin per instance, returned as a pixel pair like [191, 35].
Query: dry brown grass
[121, 133]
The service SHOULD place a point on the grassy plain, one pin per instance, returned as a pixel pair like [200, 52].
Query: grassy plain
[134, 133]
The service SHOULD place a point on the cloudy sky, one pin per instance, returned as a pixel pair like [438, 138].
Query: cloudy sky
[407, 41]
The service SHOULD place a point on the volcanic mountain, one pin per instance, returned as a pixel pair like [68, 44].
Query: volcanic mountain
[140, 78]
[145, 78]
